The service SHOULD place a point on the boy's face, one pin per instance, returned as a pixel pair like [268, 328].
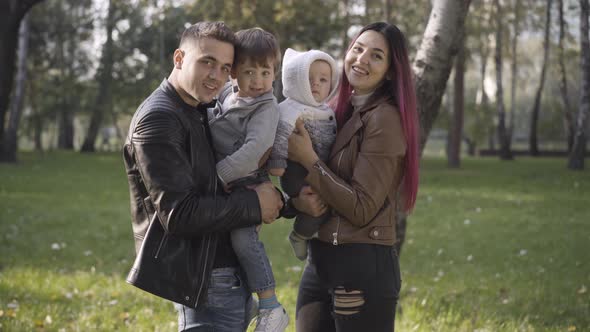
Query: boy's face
[320, 79]
[253, 79]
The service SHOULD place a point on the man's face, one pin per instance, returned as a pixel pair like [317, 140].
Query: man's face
[253, 79]
[204, 67]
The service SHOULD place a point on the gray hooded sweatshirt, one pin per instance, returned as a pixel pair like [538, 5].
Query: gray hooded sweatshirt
[318, 117]
[242, 129]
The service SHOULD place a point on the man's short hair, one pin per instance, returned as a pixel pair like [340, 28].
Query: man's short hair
[259, 46]
[215, 30]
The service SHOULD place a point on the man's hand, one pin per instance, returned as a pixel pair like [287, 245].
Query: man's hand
[309, 202]
[270, 202]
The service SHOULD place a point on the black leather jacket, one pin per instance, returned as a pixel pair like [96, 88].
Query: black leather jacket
[178, 208]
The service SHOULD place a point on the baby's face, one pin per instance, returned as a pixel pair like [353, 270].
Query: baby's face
[320, 79]
[253, 79]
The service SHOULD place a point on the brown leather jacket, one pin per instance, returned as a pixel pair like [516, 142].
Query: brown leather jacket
[362, 176]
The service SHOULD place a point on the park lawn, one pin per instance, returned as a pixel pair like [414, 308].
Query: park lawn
[494, 246]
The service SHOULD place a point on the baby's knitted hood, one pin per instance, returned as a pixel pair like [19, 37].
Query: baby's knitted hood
[296, 75]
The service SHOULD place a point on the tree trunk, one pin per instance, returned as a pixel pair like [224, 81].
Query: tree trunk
[345, 22]
[10, 143]
[432, 66]
[387, 9]
[576, 159]
[568, 121]
[434, 59]
[104, 97]
[533, 144]
[456, 128]
[485, 103]
[471, 147]
[65, 139]
[516, 27]
[503, 136]
[11, 14]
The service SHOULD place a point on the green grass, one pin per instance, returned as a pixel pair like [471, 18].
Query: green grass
[495, 246]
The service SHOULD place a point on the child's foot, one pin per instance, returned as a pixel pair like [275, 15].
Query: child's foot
[272, 320]
[299, 246]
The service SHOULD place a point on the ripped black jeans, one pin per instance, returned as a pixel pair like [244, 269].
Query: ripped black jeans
[350, 287]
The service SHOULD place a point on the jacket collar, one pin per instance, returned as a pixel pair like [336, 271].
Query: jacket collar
[355, 123]
[172, 93]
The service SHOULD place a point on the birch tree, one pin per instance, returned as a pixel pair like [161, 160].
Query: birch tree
[513, 68]
[576, 158]
[103, 102]
[10, 143]
[432, 67]
[568, 121]
[503, 134]
[11, 14]
[456, 127]
[533, 140]
[434, 59]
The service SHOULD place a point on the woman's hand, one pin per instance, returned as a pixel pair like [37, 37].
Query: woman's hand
[300, 148]
[309, 202]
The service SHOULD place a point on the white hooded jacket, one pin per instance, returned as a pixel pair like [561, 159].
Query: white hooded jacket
[318, 117]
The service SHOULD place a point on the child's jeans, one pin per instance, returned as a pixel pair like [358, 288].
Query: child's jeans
[253, 259]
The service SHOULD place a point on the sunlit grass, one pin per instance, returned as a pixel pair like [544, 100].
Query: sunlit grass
[494, 246]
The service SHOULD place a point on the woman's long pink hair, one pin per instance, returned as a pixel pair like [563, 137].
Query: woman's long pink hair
[401, 88]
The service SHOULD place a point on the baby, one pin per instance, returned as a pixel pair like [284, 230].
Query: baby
[309, 81]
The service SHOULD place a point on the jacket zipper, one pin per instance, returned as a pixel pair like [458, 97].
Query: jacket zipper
[164, 238]
[204, 271]
[323, 172]
[202, 283]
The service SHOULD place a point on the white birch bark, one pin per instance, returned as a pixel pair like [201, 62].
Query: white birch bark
[10, 143]
[434, 59]
[576, 160]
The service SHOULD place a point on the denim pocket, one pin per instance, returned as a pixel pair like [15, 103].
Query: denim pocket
[226, 291]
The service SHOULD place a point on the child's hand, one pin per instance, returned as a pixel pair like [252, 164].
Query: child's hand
[276, 171]
[227, 188]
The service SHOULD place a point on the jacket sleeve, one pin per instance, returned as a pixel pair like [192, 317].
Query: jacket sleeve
[378, 169]
[260, 135]
[162, 162]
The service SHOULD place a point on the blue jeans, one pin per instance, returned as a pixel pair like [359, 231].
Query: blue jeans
[228, 305]
[253, 259]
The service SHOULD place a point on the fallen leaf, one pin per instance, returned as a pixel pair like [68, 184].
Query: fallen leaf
[48, 319]
[1, 313]
[124, 316]
[582, 290]
[571, 328]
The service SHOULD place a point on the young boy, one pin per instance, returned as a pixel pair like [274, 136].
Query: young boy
[309, 81]
[243, 126]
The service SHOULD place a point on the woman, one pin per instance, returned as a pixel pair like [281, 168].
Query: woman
[352, 279]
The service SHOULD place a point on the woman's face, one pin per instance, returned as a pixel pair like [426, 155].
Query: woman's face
[367, 62]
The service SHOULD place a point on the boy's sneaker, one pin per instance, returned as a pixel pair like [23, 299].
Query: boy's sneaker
[299, 245]
[272, 320]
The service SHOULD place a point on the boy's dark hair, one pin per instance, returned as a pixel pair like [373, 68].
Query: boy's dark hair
[259, 46]
[215, 30]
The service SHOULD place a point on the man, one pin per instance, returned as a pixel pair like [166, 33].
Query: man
[181, 215]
